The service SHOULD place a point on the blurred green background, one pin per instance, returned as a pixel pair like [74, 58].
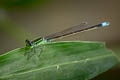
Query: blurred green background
[29, 19]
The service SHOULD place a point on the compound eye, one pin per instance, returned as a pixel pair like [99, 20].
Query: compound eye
[28, 42]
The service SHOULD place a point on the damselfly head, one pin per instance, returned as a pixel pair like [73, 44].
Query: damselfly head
[28, 42]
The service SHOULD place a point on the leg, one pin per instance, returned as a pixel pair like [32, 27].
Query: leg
[41, 50]
[33, 52]
[30, 55]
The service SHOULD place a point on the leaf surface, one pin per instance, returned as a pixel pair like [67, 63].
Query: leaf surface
[58, 61]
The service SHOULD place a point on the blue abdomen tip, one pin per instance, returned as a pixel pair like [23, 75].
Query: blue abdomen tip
[104, 24]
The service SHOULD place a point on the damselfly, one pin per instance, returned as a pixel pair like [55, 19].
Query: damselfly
[82, 27]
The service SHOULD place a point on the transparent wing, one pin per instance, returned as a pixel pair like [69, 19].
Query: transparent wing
[75, 29]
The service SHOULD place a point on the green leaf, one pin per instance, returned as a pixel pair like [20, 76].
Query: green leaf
[58, 61]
